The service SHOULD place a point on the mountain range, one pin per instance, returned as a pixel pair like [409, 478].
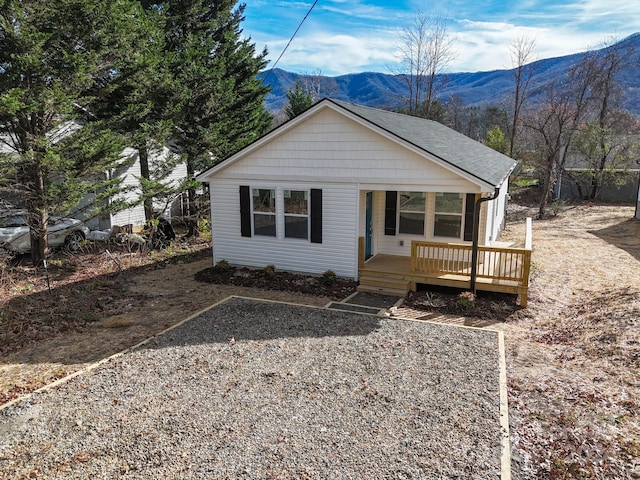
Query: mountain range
[474, 89]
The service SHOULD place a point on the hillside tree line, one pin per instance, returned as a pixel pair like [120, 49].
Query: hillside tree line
[577, 115]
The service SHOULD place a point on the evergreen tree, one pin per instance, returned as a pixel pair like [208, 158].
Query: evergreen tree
[139, 103]
[299, 100]
[52, 55]
[497, 141]
[219, 100]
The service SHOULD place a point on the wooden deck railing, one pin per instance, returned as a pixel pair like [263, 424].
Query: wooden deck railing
[504, 269]
[498, 263]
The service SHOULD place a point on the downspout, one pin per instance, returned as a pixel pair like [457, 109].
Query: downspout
[476, 228]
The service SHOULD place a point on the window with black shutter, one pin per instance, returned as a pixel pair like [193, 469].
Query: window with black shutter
[470, 202]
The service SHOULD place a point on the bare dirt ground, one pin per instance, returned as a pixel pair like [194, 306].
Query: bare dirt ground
[573, 354]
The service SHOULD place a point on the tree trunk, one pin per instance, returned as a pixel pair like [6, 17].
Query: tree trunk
[38, 215]
[143, 154]
[544, 194]
[192, 208]
[594, 189]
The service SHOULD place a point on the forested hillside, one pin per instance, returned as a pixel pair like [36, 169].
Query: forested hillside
[473, 88]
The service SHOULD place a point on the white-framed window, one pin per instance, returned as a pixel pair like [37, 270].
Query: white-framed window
[264, 211]
[296, 213]
[448, 215]
[283, 213]
[411, 212]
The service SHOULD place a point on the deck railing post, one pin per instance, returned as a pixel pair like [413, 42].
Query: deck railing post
[414, 256]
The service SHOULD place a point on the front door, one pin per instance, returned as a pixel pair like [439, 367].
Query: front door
[368, 229]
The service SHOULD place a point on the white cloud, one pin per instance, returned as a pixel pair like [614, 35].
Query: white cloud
[337, 54]
[485, 45]
[347, 36]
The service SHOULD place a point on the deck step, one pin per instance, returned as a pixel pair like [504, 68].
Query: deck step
[383, 285]
[400, 292]
[383, 281]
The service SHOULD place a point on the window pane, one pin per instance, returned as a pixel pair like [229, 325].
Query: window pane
[412, 223]
[411, 214]
[264, 200]
[412, 201]
[447, 226]
[449, 202]
[264, 224]
[295, 201]
[296, 227]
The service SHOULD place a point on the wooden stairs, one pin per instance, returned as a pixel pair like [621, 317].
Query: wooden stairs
[383, 283]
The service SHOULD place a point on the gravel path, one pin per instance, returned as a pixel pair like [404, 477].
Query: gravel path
[259, 390]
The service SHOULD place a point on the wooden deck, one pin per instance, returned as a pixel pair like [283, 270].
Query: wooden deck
[499, 269]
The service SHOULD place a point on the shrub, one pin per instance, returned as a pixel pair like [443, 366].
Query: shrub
[466, 301]
[557, 207]
[204, 227]
[269, 271]
[223, 266]
[329, 278]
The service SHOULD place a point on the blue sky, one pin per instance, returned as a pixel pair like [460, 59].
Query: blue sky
[349, 36]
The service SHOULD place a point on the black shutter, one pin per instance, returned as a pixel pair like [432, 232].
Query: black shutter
[390, 215]
[316, 215]
[468, 216]
[245, 211]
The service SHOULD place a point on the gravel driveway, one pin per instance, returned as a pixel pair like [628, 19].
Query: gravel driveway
[260, 390]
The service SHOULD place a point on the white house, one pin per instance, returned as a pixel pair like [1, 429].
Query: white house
[342, 185]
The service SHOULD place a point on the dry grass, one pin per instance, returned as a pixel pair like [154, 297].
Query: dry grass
[574, 353]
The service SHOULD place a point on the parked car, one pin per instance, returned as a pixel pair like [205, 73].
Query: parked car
[67, 233]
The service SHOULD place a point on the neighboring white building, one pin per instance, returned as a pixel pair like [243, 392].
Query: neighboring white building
[130, 178]
[338, 179]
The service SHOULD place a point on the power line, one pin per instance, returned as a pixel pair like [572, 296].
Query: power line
[289, 42]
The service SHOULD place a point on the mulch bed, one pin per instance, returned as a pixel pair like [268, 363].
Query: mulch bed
[335, 288]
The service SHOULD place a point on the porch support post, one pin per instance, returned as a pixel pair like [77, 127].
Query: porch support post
[476, 228]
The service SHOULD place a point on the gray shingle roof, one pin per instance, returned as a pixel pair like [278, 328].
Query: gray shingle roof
[452, 147]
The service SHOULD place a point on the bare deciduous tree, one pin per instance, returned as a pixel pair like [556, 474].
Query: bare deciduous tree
[551, 124]
[521, 59]
[606, 96]
[588, 93]
[426, 49]
[318, 85]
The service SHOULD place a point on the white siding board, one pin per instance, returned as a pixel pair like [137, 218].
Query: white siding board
[337, 252]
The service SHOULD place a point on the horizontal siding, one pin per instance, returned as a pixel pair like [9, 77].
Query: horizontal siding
[135, 215]
[494, 217]
[331, 147]
[337, 252]
[130, 178]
